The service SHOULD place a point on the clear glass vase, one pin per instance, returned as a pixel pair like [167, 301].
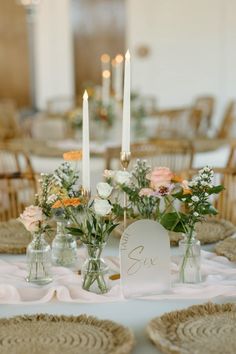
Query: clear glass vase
[190, 264]
[64, 247]
[95, 272]
[39, 264]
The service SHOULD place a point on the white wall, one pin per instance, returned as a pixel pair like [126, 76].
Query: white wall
[193, 49]
[54, 51]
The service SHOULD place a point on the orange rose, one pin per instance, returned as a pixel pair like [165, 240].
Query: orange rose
[72, 155]
[176, 179]
[66, 202]
[185, 187]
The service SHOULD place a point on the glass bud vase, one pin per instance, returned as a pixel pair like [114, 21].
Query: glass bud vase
[64, 247]
[190, 263]
[95, 272]
[39, 260]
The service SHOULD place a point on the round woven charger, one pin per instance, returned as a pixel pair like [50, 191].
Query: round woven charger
[41, 333]
[209, 231]
[203, 329]
[227, 248]
[14, 238]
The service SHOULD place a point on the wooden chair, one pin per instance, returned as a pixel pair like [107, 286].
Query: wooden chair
[228, 125]
[232, 156]
[9, 122]
[177, 155]
[206, 105]
[14, 160]
[17, 191]
[178, 123]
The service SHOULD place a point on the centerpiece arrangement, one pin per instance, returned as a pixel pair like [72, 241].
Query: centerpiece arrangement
[175, 203]
[93, 226]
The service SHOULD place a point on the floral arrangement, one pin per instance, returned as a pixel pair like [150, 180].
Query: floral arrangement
[97, 220]
[74, 117]
[93, 227]
[61, 188]
[161, 195]
[56, 190]
[103, 114]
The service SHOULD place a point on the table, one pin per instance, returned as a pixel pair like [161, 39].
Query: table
[132, 313]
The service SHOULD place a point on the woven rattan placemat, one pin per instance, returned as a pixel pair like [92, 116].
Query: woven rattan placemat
[14, 238]
[43, 333]
[202, 329]
[209, 231]
[227, 248]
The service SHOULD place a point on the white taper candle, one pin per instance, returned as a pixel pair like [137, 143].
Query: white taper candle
[85, 145]
[126, 106]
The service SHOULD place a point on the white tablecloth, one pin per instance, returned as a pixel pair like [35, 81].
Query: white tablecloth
[218, 275]
[135, 313]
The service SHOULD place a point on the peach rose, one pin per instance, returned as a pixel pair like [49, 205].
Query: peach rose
[160, 177]
[31, 218]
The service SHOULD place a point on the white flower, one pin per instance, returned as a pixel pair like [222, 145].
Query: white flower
[122, 177]
[31, 218]
[195, 214]
[102, 207]
[204, 183]
[104, 190]
[108, 173]
[51, 199]
[192, 184]
[204, 175]
[195, 198]
[206, 194]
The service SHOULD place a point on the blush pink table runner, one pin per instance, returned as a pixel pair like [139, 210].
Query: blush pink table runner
[219, 279]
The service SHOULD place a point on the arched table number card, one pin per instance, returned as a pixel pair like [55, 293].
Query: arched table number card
[145, 259]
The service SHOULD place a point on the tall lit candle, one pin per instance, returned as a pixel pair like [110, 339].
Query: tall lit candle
[85, 145]
[126, 106]
[118, 76]
[105, 61]
[106, 78]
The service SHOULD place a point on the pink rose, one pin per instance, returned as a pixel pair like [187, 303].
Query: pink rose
[31, 218]
[145, 192]
[160, 177]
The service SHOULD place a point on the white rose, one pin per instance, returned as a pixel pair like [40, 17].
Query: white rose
[31, 218]
[122, 177]
[104, 190]
[102, 207]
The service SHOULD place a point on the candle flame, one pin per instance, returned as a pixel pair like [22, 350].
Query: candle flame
[127, 55]
[105, 58]
[119, 58]
[106, 74]
[85, 96]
